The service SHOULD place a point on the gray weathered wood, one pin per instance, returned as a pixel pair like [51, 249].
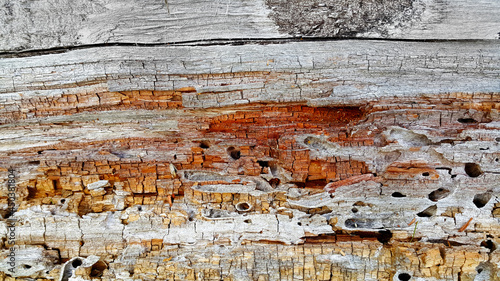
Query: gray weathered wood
[61, 23]
[339, 72]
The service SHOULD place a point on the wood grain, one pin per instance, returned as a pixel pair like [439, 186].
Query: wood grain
[250, 140]
[28, 25]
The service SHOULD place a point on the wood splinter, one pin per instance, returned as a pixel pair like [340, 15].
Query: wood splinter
[465, 225]
[170, 200]
[332, 186]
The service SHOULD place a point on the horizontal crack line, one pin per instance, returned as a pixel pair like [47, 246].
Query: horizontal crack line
[219, 42]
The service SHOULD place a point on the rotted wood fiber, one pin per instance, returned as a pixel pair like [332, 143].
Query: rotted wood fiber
[304, 160]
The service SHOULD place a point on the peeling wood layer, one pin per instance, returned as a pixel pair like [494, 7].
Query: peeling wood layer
[319, 73]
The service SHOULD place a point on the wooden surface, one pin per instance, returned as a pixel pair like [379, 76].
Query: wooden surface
[251, 140]
[28, 25]
[337, 72]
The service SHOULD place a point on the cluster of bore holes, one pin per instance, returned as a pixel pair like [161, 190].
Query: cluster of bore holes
[235, 153]
[404, 276]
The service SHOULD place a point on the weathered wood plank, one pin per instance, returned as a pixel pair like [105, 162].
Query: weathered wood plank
[100, 183]
[61, 23]
[320, 73]
[146, 152]
[318, 160]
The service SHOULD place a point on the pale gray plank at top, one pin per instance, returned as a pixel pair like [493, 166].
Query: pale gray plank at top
[54, 23]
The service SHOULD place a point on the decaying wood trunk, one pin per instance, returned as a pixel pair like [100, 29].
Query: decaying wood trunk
[250, 140]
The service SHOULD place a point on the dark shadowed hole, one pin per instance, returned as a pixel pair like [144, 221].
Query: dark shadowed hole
[274, 182]
[480, 200]
[26, 266]
[489, 244]
[404, 276]
[479, 270]
[62, 201]
[497, 139]
[76, 263]
[247, 221]
[34, 162]
[97, 269]
[234, 153]
[398, 195]
[299, 223]
[450, 141]
[243, 206]
[204, 145]
[467, 120]
[354, 210]
[384, 236]
[438, 194]
[473, 170]
[428, 212]
[263, 164]
[426, 174]
[139, 208]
